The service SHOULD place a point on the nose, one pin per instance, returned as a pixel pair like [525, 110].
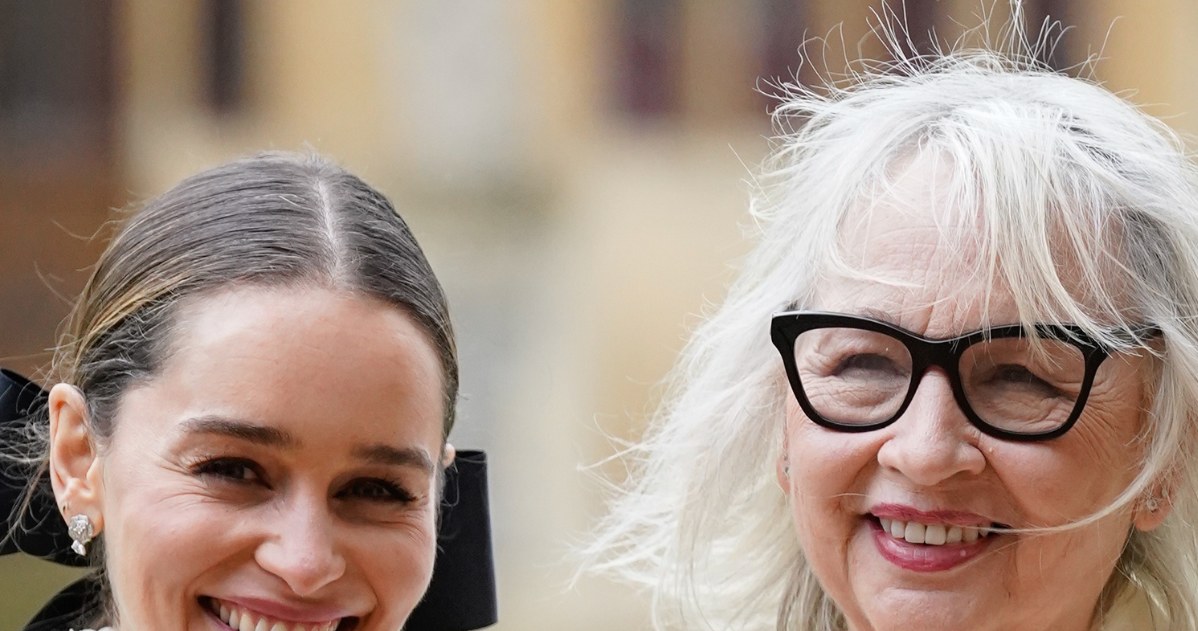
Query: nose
[932, 441]
[302, 548]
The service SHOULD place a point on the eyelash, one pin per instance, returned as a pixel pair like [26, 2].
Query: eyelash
[219, 468]
[393, 491]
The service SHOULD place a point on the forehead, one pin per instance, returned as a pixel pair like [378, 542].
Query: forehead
[329, 363]
[931, 240]
[911, 251]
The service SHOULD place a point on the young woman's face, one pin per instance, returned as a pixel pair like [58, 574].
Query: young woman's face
[933, 472]
[280, 470]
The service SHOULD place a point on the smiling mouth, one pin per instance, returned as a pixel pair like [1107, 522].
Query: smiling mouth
[936, 534]
[242, 619]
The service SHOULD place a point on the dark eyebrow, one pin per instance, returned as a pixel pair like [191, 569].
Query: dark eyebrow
[243, 430]
[379, 453]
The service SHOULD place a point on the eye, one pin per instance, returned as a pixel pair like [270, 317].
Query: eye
[236, 470]
[1022, 377]
[867, 365]
[376, 490]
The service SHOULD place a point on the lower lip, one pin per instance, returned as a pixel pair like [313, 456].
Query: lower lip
[924, 558]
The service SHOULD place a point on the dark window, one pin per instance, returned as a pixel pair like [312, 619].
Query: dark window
[783, 26]
[919, 18]
[648, 67]
[55, 77]
[58, 164]
[224, 51]
[1058, 53]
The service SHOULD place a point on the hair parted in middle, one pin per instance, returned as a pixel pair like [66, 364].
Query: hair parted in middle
[268, 221]
[1038, 168]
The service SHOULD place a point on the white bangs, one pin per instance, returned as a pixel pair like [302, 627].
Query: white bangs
[1023, 189]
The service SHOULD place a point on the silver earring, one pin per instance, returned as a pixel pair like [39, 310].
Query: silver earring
[82, 532]
[1153, 504]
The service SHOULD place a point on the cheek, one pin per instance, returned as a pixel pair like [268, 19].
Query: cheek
[397, 565]
[149, 592]
[825, 474]
[1078, 474]
[821, 458]
[827, 470]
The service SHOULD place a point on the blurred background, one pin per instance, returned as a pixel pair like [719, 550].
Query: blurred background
[575, 170]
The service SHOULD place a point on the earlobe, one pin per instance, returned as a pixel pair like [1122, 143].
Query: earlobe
[782, 465]
[782, 470]
[448, 454]
[1151, 511]
[74, 465]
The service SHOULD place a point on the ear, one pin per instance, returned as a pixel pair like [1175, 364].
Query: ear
[448, 454]
[1151, 510]
[782, 465]
[74, 465]
[1145, 519]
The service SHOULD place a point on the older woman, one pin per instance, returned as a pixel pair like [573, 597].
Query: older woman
[956, 384]
[255, 392]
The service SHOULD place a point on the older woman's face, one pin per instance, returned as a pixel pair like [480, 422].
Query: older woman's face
[933, 468]
[281, 469]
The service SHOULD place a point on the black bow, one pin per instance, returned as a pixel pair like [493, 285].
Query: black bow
[460, 598]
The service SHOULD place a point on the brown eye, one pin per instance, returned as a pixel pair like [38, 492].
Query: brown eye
[376, 490]
[237, 470]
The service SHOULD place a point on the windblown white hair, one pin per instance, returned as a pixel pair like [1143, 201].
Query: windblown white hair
[1046, 171]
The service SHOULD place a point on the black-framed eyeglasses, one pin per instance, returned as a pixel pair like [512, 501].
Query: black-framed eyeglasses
[857, 374]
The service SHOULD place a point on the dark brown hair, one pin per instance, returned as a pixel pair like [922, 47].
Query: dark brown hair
[273, 219]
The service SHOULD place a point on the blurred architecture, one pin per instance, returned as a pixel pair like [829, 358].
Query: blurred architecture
[576, 171]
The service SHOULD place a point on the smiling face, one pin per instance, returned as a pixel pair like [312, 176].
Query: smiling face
[282, 466]
[876, 511]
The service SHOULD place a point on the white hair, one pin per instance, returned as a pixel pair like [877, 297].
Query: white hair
[1054, 171]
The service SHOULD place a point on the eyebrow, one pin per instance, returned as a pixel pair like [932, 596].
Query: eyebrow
[239, 429]
[878, 314]
[379, 453]
[375, 453]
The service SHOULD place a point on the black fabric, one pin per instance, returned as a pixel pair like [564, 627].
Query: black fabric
[41, 532]
[461, 597]
[462, 594]
[66, 609]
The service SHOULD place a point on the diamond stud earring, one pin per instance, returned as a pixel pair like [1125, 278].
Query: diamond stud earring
[82, 532]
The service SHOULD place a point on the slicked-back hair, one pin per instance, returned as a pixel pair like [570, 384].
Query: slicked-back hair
[272, 220]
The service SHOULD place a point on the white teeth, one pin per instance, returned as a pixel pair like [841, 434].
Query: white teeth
[933, 534]
[247, 621]
[914, 532]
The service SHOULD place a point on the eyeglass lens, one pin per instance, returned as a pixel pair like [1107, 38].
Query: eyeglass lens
[858, 377]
